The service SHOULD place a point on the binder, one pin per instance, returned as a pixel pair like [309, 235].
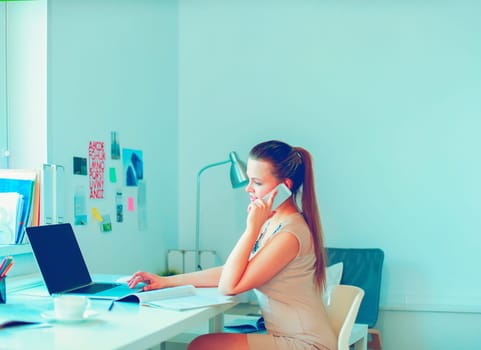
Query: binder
[11, 205]
[22, 182]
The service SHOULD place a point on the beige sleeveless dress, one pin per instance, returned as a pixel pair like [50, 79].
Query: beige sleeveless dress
[291, 303]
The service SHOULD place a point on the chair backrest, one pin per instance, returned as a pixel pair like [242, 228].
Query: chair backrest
[362, 267]
[342, 310]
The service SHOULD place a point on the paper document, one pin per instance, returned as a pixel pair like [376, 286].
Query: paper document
[180, 298]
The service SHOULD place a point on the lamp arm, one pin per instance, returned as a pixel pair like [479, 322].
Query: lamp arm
[197, 214]
[210, 166]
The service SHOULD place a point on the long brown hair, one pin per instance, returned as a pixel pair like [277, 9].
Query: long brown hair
[295, 163]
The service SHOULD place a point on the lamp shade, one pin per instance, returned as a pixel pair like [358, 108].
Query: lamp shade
[238, 174]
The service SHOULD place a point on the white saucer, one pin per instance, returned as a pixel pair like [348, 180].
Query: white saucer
[88, 315]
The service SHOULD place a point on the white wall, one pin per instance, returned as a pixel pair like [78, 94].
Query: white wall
[112, 66]
[386, 96]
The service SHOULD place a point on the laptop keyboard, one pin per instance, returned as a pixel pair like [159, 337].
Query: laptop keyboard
[95, 288]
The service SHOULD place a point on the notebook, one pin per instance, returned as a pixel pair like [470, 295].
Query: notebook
[63, 267]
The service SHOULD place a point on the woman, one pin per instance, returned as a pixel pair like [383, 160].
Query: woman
[280, 255]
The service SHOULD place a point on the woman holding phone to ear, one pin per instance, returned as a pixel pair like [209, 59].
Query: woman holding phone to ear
[280, 255]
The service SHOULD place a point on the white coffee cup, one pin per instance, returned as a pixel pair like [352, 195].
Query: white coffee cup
[70, 307]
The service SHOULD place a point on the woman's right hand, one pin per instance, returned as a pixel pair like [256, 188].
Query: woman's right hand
[151, 280]
[259, 211]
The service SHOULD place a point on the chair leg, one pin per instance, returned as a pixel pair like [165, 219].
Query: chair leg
[374, 339]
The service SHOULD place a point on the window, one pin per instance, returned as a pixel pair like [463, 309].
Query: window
[23, 84]
[23, 141]
[3, 87]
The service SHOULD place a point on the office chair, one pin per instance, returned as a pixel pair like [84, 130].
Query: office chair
[362, 267]
[342, 310]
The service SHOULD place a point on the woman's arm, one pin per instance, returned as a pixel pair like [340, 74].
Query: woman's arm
[241, 274]
[204, 278]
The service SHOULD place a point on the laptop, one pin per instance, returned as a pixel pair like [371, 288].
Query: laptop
[63, 267]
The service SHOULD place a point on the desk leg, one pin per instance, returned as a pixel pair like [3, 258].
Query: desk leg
[216, 324]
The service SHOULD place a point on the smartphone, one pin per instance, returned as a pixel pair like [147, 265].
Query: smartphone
[283, 193]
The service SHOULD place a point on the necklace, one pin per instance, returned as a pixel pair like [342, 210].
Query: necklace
[257, 244]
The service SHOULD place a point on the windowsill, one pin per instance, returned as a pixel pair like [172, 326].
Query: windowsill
[20, 283]
[15, 249]
[25, 263]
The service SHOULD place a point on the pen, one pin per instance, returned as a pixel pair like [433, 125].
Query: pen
[4, 273]
[111, 306]
[6, 265]
[4, 262]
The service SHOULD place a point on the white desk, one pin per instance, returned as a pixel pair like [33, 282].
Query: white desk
[127, 326]
[358, 339]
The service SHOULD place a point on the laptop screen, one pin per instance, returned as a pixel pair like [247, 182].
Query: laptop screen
[59, 257]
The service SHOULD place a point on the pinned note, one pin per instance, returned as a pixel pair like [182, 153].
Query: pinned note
[130, 204]
[113, 175]
[96, 214]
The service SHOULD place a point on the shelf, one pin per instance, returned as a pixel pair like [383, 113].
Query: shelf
[15, 249]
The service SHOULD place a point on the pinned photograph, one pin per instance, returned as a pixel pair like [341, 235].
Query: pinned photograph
[79, 166]
[114, 145]
[133, 166]
[106, 224]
